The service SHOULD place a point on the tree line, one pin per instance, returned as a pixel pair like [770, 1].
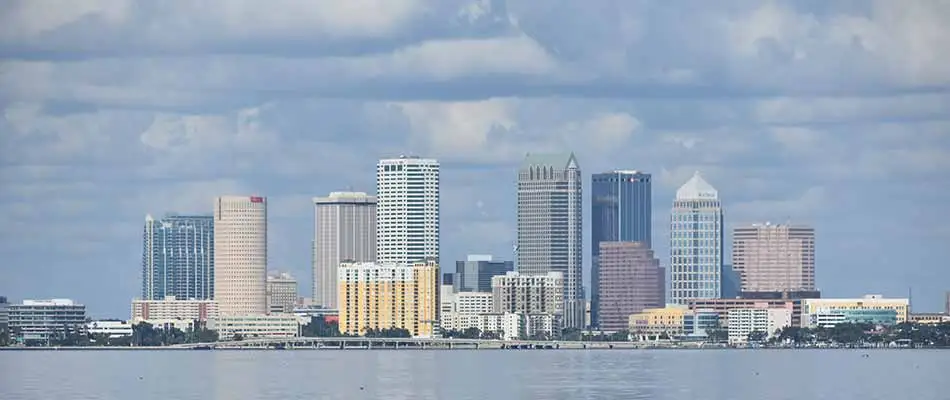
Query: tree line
[143, 334]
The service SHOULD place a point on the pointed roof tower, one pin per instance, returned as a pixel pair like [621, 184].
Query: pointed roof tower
[696, 188]
[557, 160]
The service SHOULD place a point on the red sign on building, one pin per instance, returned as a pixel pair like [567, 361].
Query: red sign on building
[257, 199]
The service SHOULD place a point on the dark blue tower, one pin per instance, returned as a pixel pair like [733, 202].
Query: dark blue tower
[621, 210]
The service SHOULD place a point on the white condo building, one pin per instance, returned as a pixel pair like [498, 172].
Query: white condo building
[240, 255]
[344, 229]
[696, 242]
[743, 321]
[407, 210]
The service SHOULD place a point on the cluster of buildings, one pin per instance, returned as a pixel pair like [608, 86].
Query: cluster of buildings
[375, 263]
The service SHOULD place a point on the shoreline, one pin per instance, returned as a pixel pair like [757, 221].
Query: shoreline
[456, 348]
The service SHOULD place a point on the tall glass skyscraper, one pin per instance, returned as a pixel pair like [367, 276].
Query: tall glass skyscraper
[550, 226]
[696, 242]
[620, 211]
[178, 257]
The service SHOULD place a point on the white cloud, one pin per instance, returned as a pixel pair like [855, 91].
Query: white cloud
[447, 59]
[182, 24]
[463, 130]
[803, 209]
[603, 132]
[28, 18]
[796, 138]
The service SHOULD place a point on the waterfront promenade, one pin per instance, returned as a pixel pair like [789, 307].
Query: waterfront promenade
[357, 343]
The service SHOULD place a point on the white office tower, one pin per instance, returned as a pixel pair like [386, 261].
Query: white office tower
[344, 229]
[240, 255]
[407, 210]
[696, 242]
[774, 258]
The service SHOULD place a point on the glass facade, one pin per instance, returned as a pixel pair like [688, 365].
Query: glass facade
[831, 317]
[475, 275]
[731, 283]
[621, 211]
[696, 243]
[178, 258]
[700, 322]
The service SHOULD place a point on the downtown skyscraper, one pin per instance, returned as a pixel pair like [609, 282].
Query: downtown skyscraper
[621, 211]
[240, 251]
[696, 242]
[407, 210]
[344, 229]
[550, 225]
[178, 257]
[774, 258]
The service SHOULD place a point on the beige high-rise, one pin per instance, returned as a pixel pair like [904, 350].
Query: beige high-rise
[774, 258]
[344, 229]
[240, 255]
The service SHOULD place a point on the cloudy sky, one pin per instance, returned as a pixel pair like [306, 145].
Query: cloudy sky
[829, 113]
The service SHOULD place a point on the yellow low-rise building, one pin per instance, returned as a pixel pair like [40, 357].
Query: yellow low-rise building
[868, 302]
[384, 295]
[669, 320]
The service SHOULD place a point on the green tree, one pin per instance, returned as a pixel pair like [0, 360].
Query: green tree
[5, 337]
[489, 335]
[619, 336]
[757, 336]
[318, 327]
[70, 335]
[571, 334]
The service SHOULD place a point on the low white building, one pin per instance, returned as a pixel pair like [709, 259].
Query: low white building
[111, 329]
[507, 325]
[744, 321]
[256, 326]
[473, 303]
[172, 309]
[183, 325]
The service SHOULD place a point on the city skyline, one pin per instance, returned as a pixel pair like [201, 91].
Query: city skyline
[696, 189]
[829, 114]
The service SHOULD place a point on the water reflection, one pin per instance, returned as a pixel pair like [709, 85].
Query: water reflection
[461, 374]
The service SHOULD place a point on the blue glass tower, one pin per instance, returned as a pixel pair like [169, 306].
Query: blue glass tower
[621, 210]
[178, 257]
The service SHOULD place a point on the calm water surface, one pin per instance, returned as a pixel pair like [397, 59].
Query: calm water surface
[461, 374]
